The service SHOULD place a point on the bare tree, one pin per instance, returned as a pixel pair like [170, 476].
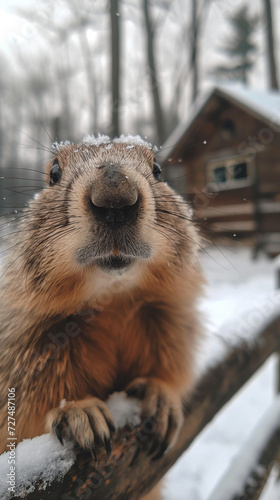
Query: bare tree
[188, 71]
[270, 46]
[159, 116]
[194, 49]
[115, 54]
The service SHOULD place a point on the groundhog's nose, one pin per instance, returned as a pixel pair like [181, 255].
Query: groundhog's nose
[114, 198]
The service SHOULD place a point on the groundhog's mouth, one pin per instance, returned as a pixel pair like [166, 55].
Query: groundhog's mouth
[113, 263]
[102, 254]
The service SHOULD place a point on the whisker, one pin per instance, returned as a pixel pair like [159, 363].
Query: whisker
[25, 168]
[23, 179]
[47, 133]
[174, 214]
[37, 142]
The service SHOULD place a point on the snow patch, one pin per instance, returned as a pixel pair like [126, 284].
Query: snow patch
[92, 140]
[240, 301]
[101, 140]
[57, 146]
[62, 403]
[246, 461]
[135, 140]
[35, 197]
[126, 411]
[41, 459]
[275, 494]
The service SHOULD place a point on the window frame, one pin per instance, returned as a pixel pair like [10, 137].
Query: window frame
[229, 162]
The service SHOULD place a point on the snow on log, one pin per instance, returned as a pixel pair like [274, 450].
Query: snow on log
[130, 472]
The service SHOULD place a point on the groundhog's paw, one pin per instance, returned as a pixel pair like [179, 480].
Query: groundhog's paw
[162, 413]
[89, 423]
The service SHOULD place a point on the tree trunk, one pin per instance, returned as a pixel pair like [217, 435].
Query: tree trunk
[91, 80]
[270, 46]
[63, 72]
[194, 50]
[159, 118]
[244, 75]
[115, 53]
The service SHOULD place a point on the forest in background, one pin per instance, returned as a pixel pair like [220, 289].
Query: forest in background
[112, 67]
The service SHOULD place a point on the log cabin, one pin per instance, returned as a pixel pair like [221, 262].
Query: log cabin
[226, 160]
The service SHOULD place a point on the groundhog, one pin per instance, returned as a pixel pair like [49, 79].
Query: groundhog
[99, 294]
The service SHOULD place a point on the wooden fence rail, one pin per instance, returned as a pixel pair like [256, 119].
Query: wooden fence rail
[249, 471]
[130, 473]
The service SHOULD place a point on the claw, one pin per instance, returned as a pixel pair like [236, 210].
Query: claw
[94, 454]
[154, 447]
[108, 445]
[58, 431]
[135, 456]
[111, 426]
[161, 451]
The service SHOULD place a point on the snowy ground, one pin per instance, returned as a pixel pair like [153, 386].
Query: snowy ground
[240, 296]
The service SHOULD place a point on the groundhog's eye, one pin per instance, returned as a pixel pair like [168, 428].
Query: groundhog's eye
[55, 173]
[157, 171]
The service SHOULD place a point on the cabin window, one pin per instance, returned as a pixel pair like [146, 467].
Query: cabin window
[231, 173]
[220, 174]
[240, 171]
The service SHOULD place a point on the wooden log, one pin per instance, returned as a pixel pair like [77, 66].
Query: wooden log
[278, 286]
[278, 378]
[130, 472]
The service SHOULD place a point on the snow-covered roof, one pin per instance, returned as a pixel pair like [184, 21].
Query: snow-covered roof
[264, 104]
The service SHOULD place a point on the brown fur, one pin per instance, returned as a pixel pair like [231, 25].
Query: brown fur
[70, 330]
